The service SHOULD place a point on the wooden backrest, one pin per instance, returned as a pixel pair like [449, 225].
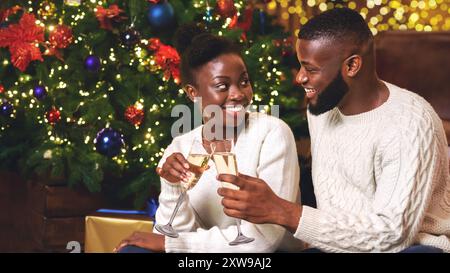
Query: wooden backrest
[419, 62]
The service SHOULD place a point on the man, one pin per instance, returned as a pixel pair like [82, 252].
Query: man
[379, 163]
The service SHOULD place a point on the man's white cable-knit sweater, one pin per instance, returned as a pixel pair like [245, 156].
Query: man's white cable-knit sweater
[265, 149]
[381, 178]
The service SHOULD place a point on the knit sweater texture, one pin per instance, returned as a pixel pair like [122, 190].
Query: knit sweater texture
[381, 178]
[265, 149]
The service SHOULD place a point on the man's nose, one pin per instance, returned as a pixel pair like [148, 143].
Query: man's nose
[301, 78]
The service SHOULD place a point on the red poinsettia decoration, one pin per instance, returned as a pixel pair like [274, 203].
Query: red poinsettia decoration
[23, 40]
[167, 58]
[106, 16]
[5, 13]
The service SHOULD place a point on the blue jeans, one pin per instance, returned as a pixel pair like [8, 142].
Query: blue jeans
[134, 249]
[421, 249]
[411, 249]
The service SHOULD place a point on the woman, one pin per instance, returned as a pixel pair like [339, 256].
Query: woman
[212, 69]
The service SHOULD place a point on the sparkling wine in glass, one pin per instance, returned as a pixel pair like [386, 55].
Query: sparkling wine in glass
[225, 160]
[198, 163]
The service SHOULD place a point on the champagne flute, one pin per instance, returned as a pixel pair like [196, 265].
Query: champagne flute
[225, 160]
[198, 163]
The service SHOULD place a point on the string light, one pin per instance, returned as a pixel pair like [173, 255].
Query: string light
[389, 14]
[381, 15]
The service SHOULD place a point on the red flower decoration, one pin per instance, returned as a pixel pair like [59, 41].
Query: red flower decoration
[5, 13]
[23, 39]
[168, 59]
[154, 44]
[106, 16]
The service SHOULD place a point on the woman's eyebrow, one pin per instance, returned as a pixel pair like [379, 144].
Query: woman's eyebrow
[224, 77]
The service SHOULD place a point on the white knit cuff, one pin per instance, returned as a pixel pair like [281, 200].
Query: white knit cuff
[177, 245]
[308, 227]
[171, 189]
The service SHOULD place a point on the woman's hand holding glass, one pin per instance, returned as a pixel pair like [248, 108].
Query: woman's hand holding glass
[175, 169]
[186, 171]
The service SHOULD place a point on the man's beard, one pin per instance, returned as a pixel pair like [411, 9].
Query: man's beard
[330, 96]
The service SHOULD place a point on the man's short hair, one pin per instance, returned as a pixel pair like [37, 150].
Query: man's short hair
[339, 24]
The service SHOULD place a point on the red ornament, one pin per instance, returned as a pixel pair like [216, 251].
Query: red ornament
[23, 39]
[247, 21]
[154, 1]
[287, 42]
[226, 8]
[106, 16]
[134, 114]
[53, 116]
[2, 89]
[287, 47]
[61, 37]
[244, 23]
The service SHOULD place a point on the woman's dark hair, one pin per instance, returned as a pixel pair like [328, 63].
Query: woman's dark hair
[197, 47]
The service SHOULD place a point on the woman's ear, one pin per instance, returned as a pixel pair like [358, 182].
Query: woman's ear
[353, 65]
[191, 92]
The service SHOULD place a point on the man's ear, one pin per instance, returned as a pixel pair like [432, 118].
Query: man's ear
[191, 91]
[353, 65]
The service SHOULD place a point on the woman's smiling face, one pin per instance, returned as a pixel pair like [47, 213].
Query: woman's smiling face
[224, 82]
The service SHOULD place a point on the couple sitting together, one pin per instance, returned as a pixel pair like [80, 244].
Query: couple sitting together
[379, 163]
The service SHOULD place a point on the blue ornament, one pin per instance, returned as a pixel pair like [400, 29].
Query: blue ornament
[39, 92]
[161, 15]
[92, 63]
[6, 109]
[109, 142]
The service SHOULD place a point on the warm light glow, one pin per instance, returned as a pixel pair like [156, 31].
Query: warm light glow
[381, 15]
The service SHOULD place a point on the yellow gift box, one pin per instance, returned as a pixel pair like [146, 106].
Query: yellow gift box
[105, 231]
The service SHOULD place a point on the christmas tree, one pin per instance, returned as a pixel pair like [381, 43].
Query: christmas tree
[87, 87]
